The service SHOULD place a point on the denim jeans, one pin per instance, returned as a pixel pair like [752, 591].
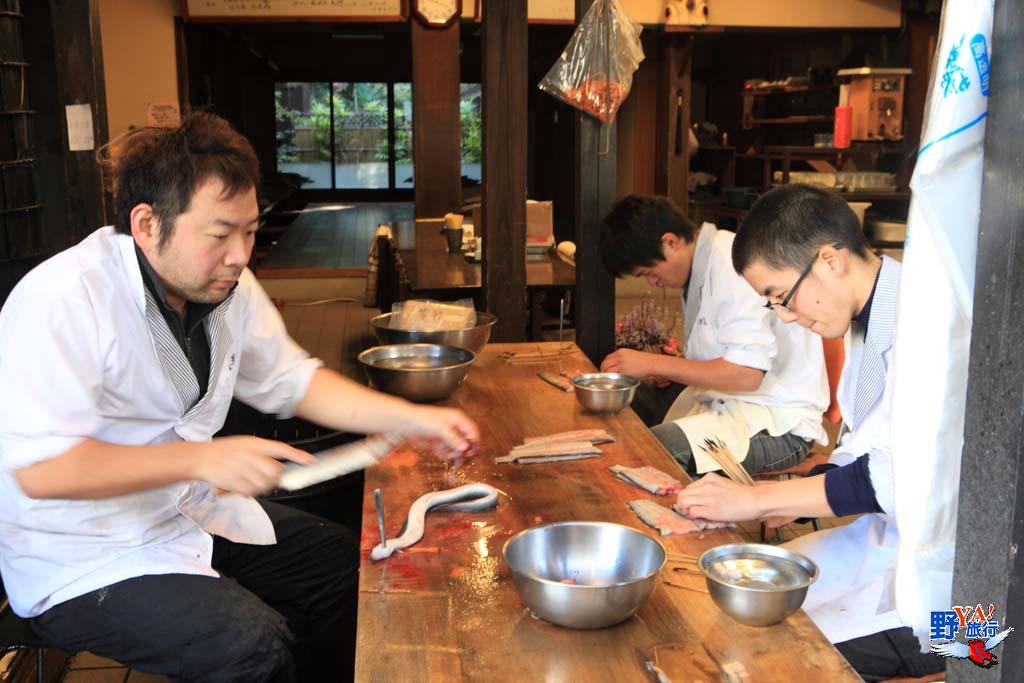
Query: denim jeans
[767, 453]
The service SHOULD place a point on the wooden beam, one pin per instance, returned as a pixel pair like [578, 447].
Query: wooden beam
[595, 193]
[437, 170]
[672, 146]
[990, 530]
[503, 211]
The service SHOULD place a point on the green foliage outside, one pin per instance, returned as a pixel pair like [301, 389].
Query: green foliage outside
[302, 132]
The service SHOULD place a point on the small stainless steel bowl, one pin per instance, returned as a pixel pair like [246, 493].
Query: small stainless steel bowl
[605, 392]
[418, 372]
[757, 584]
[472, 338]
[584, 574]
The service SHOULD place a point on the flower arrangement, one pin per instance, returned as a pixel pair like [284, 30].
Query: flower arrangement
[648, 327]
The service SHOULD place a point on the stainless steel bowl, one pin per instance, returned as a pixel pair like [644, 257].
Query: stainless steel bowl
[418, 372]
[605, 392]
[584, 574]
[757, 584]
[472, 338]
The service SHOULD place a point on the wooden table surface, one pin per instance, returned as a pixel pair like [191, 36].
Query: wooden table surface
[446, 609]
[431, 268]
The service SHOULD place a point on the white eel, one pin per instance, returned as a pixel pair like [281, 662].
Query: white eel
[465, 498]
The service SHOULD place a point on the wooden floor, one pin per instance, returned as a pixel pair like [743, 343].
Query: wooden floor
[336, 331]
[330, 239]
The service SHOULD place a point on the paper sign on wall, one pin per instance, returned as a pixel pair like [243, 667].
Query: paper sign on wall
[79, 127]
[163, 114]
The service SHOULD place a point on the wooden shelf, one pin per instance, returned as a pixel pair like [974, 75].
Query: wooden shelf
[789, 89]
[795, 151]
[867, 196]
[794, 120]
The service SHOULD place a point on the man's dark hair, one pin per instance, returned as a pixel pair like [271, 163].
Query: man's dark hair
[788, 225]
[631, 232]
[164, 167]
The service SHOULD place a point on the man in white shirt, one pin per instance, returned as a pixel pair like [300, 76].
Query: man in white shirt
[125, 528]
[803, 249]
[751, 382]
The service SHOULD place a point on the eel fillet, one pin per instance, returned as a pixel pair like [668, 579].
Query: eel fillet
[668, 521]
[549, 452]
[594, 436]
[650, 479]
[465, 498]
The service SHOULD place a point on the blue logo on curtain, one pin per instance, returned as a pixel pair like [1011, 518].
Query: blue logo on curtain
[954, 77]
[980, 53]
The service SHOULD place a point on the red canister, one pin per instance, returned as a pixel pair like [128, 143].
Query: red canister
[843, 126]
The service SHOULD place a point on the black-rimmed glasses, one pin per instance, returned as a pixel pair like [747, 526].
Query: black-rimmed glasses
[803, 274]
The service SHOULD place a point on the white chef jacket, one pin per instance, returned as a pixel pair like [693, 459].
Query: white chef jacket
[86, 353]
[853, 595]
[726, 318]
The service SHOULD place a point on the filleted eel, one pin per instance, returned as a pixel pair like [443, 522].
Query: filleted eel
[465, 498]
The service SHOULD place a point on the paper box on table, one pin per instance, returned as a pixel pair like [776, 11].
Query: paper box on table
[539, 219]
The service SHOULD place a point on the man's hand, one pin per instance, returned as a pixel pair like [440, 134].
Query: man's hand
[658, 381]
[245, 464]
[446, 433]
[718, 499]
[628, 362]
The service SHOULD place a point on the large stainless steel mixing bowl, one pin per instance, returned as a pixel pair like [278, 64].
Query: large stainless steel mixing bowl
[757, 584]
[584, 574]
[418, 372]
[472, 338]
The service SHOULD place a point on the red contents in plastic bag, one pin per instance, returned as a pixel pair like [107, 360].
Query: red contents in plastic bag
[599, 98]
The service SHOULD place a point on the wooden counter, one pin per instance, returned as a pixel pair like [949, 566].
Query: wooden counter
[446, 610]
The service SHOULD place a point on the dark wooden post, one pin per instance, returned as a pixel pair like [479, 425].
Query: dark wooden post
[595, 194]
[79, 62]
[672, 138]
[504, 45]
[436, 157]
[990, 523]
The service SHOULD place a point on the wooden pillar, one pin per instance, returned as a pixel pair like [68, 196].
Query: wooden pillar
[436, 141]
[990, 522]
[595, 194]
[79, 65]
[672, 148]
[504, 46]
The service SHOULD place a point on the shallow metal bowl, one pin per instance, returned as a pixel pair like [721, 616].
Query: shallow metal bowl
[605, 392]
[472, 338]
[418, 372]
[584, 574]
[757, 584]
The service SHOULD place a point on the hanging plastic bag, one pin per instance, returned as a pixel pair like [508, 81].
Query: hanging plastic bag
[595, 71]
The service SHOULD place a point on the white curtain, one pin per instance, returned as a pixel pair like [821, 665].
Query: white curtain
[933, 328]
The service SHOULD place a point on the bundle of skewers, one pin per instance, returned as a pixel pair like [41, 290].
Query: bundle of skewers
[721, 454]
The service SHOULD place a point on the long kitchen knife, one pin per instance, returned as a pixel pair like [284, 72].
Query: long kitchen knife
[339, 461]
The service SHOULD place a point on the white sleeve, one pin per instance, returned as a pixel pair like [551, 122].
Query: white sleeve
[273, 372]
[51, 374]
[743, 324]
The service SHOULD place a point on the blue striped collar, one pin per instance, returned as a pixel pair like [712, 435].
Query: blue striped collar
[882, 314]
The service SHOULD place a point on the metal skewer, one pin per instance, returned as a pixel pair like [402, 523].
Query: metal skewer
[379, 503]
[561, 318]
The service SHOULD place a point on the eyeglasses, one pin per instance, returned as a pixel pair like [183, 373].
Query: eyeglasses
[803, 274]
